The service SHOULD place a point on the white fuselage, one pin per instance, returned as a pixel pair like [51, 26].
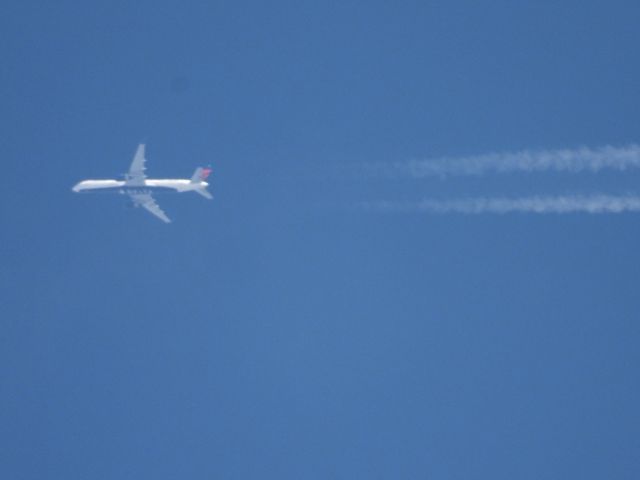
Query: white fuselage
[152, 184]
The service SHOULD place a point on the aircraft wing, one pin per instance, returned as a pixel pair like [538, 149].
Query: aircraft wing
[136, 171]
[146, 201]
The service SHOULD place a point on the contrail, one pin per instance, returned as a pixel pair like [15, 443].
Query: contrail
[501, 205]
[567, 160]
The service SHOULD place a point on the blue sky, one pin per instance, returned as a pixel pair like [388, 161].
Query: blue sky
[275, 332]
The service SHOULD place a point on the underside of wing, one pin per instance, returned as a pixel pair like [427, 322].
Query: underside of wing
[136, 174]
[146, 201]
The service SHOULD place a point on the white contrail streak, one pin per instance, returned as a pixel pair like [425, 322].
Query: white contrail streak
[568, 160]
[501, 205]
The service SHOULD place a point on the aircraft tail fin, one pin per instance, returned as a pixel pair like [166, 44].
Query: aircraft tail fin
[199, 177]
[201, 174]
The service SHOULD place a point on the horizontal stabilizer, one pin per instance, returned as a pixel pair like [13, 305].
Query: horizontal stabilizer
[204, 192]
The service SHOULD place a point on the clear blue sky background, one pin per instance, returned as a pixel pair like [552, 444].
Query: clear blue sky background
[273, 333]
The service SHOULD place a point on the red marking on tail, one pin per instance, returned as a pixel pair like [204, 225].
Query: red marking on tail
[205, 173]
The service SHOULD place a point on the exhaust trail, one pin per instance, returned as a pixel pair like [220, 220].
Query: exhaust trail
[564, 204]
[565, 160]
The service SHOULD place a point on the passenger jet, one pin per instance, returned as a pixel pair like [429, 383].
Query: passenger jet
[139, 187]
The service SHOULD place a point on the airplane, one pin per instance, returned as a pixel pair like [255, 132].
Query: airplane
[139, 187]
